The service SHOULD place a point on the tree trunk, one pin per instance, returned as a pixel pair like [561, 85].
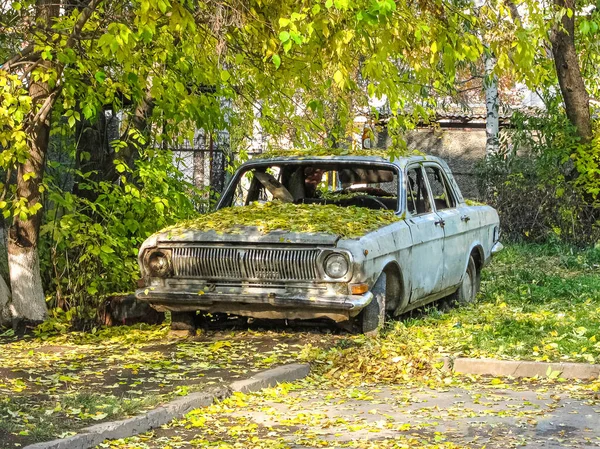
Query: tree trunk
[492, 122]
[572, 87]
[27, 303]
[140, 122]
[198, 173]
[23, 261]
[91, 138]
[5, 313]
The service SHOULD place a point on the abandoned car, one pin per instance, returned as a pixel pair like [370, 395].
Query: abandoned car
[350, 238]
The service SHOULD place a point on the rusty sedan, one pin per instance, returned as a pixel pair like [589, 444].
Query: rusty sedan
[425, 243]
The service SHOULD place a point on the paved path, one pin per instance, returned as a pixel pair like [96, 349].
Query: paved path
[475, 416]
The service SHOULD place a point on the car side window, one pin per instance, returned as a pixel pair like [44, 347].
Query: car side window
[417, 195]
[440, 189]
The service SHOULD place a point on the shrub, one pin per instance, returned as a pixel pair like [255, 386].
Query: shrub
[88, 248]
[539, 192]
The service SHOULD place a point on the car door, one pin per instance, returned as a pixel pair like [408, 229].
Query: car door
[426, 257]
[455, 225]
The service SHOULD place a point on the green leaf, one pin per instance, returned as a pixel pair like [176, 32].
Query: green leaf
[283, 22]
[284, 36]
[100, 76]
[107, 249]
[225, 76]
[584, 27]
[276, 60]
[328, 4]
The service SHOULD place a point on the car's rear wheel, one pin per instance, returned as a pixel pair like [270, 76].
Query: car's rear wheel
[467, 291]
[372, 317]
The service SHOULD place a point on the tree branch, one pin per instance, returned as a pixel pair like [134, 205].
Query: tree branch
[16, 58]
[81, 21]
[514, 11]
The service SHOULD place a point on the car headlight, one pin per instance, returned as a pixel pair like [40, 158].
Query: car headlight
[158, 263]
[336, 266]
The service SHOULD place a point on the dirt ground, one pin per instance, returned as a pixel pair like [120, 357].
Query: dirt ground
[50, 388]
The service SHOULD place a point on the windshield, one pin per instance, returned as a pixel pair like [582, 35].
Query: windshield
[375, 187]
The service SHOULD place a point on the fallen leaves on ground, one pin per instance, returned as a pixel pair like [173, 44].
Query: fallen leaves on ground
[466, 414]
[59, 383]
[536, 303]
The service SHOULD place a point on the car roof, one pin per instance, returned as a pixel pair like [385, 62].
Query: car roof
[401, 162]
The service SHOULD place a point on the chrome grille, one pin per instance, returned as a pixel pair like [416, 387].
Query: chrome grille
[245, 263]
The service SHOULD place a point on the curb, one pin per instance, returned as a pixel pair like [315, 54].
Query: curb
[265, 379]
[513, 368]
[96, 434]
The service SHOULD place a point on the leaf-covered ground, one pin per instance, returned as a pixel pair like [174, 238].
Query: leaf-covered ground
[52, 385]
[486, 413]
[349, 222]
[537, 303]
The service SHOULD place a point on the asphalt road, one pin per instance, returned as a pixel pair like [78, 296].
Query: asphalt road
[476, 415]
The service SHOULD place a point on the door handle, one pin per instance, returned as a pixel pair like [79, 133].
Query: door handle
[465, 218]
[440, 222]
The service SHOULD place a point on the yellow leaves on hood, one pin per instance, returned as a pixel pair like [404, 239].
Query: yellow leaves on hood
[347, 222]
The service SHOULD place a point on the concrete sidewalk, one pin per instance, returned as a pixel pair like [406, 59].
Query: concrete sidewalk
[473, 416]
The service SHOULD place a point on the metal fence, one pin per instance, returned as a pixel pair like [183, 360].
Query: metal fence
[204, 161]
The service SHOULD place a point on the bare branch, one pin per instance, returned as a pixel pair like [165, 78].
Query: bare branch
[514, 11]
[17, 58]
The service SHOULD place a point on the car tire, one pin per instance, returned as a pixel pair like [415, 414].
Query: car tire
[372, 317]
[184, 321]
[467, 291]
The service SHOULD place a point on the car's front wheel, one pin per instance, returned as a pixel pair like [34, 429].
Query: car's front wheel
[467, 291]
[372, 317]
[184, 322]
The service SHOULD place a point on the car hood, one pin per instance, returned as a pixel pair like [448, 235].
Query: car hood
[276, 222]
[245, 234]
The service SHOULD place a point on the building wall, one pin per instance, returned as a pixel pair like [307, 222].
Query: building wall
[461, 148]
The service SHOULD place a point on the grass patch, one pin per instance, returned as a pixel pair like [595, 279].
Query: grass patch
[537, 302]
[42, 419]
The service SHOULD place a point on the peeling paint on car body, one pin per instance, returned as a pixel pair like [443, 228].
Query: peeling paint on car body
[428, 260]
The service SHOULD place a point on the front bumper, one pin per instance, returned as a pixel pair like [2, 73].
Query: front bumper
[277, 305]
